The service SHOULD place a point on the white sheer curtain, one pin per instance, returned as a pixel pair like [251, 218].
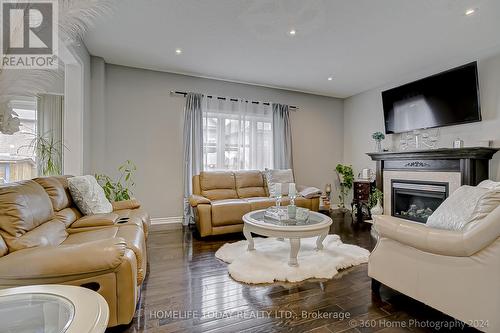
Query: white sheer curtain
[237, 135]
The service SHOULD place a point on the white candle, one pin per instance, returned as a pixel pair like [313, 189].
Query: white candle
[291, 190]
[277, 188]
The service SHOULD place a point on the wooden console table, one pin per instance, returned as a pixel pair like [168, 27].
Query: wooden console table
[361, 197]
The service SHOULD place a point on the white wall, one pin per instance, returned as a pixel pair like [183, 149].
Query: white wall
[77, 128]
[363, 115]
[142, 122]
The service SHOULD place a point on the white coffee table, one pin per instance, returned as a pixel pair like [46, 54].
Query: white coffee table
[318, 225]
[52, 309]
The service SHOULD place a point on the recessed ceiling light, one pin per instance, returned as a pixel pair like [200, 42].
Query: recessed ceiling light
[292, 32]
[330, 78]
[178, 51]
[470, 11]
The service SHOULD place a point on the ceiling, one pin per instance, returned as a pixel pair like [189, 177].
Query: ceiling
[361, 44]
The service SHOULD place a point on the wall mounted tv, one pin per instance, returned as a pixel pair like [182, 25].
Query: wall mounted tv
[444, 99]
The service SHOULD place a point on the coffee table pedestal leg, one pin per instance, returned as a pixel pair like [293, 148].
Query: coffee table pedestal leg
[294, 250]
[319, 241]
[248, 236]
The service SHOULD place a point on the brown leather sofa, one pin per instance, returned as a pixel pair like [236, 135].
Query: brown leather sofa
[44, 239]
[221, 198]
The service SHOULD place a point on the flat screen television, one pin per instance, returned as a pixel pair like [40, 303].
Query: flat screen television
[447, 98]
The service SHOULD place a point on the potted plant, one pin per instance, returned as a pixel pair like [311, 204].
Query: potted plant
[48, 153]
[375, 202]
[378, 137]
[121, 189]
[345, 177]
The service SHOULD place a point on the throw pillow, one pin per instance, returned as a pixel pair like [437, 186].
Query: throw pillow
[88, 195]
[309, 192]
[465, 205]
[276, 176]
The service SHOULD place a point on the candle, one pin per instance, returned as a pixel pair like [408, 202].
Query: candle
[291, 190]
[277, 188]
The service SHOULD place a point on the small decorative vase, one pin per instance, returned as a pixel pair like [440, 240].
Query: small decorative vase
[377, 209]
[378, 146]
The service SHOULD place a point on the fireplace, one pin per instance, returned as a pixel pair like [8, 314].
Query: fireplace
[416, 200]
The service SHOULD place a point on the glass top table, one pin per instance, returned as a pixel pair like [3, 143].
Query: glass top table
[315, 225]
[310, 219]
[27, 313]
[52, 309]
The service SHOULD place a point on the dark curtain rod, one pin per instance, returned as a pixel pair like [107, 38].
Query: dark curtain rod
[183, 93]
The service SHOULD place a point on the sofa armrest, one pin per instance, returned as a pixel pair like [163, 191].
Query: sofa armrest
[97, 220]
[63, 260]
[195, 200]
[419, 236]
[126, 204]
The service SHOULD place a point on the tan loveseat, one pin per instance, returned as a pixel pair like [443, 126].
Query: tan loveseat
[44, 239]
[456, 272]
[221, 198]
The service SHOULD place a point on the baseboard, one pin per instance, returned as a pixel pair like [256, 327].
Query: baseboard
[166, 223]
[167, 220]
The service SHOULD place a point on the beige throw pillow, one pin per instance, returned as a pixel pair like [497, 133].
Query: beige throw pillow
[88, 195]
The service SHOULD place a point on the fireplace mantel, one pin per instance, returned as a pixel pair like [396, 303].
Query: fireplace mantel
[442, 153]
[471, 162]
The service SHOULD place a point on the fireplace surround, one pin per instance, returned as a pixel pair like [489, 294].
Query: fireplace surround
[454, 167]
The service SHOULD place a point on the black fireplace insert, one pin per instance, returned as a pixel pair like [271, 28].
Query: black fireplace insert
[416, 200]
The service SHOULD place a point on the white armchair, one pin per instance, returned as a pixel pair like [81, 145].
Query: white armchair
[456, 272]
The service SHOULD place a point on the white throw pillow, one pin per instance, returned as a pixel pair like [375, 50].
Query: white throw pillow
[467, 204]
[275, 176]
[309, 192]
[88, 195]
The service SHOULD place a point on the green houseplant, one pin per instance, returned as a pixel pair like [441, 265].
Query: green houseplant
[121, 189]
[48, 154]
[346, 177]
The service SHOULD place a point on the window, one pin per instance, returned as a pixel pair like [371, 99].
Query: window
[237, 135]
[17, 159]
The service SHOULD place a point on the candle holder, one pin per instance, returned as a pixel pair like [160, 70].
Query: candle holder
[292, 209]
[277, 201]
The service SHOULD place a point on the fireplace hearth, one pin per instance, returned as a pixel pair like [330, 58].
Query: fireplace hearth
[416, 200]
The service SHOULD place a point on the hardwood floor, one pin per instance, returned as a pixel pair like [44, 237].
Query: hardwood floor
[189, 290]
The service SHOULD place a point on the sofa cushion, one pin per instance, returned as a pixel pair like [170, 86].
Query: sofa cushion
[68, 215]
[218, 185]
[88, 195]
[249, 184]
[23, 206]
[50, 233]
[257, 203]
[230, 211]
[58, 195]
